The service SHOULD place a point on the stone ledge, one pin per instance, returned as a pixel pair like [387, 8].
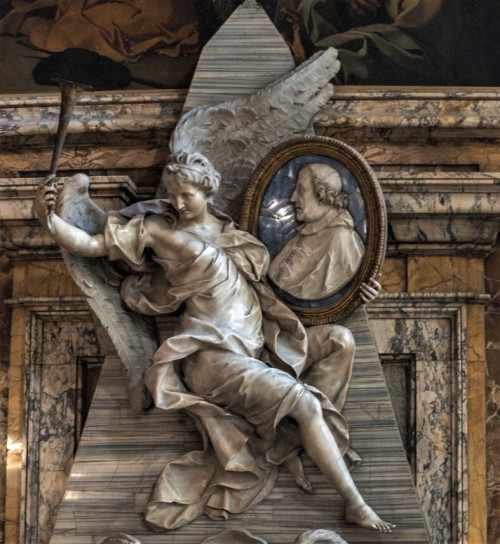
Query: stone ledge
[21, 234]
[132, 111]
[137, 111]
[439, 209]
[423, 108]
[421, 299]
[428, 212]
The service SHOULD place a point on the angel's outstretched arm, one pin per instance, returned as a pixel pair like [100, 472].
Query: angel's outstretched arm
[68, 237]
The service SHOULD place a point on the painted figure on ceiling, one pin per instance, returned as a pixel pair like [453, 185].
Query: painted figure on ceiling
[389, 42]
[380, 42]
[123, 30]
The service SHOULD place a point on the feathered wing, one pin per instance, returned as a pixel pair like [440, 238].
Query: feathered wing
[131, 334]
[235, 136]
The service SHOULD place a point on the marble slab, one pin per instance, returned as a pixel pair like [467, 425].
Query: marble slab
[131, 129]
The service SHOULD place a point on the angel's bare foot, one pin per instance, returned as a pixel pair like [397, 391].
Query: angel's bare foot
[296, 469]
[364, 516]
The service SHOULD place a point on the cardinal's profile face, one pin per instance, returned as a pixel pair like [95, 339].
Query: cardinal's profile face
[307, 206]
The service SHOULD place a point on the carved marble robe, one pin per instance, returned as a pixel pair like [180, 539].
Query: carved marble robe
[213, 368]
[320, 259]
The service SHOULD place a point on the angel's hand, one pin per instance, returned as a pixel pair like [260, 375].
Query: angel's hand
[364, 7]
[369, 291]
[45, 201]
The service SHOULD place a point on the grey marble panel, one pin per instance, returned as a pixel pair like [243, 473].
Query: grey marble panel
[5, 291]
[432, 333]
[58, 335]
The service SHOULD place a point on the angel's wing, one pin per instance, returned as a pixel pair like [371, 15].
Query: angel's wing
[236, 135]
[131, 334]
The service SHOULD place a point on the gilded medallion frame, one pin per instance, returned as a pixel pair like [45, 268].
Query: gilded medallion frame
[269, 215]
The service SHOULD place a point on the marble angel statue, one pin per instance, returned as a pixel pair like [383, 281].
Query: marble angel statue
[259, 386]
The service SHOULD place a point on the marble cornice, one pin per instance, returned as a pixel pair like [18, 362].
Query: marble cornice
[431, 108]
[421, 299]
[428, 212]
[442, 212]
[42, 303]
[53, 308]
[21, 235]
[157, 112]
[33, 118]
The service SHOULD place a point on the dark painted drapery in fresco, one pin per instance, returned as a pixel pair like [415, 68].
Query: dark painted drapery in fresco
[391, 42]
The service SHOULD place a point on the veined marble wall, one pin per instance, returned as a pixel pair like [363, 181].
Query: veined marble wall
[60, 333]
[492, 272]
[5, 292]
[433, 330]
[436, 154]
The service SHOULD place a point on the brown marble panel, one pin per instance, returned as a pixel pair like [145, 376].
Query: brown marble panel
[476, 423]
[393, 278]
[15, 425]
[5, 293]
[482, 155]
[82, 159]
[492, 274]
[423, 107]
[46, 278]
[4, 390]
[435, 274]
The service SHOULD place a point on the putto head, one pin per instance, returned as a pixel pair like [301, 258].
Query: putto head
[327, 185]
[193, 168]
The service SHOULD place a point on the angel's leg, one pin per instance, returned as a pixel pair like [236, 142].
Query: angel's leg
[321, 446]
[296, 469]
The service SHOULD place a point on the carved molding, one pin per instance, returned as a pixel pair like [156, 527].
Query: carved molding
[429, 213]
[99, 113]
[442, 212]
[352, 107]
[21, 234]
[433, 331]
[59, 331]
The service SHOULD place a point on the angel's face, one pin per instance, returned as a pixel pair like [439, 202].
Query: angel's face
[189, 201]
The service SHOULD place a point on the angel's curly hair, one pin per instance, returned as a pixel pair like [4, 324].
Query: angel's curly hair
[327, 185]
[193, 168]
